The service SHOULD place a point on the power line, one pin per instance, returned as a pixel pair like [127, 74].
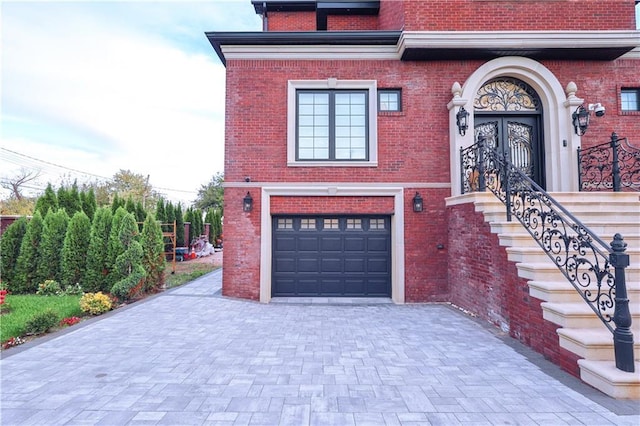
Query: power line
[30, 164]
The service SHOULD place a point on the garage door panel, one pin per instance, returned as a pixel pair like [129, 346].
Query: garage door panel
[377, 265]
[342, 256]
[331, 287]
[378, 244]
[354, 265]
[354, 287]
[308, 265]
[331, 265]
[329, 244]
[377, 287]
[308, 243]
[308, 287]
[285, 243]
[285, 265]
[354, 244]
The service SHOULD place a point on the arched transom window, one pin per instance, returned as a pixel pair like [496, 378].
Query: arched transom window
[506, 94]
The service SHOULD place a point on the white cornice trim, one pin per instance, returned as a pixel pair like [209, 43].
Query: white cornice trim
[496, 40]
[634, 54]
[312, 52]
[493, 40]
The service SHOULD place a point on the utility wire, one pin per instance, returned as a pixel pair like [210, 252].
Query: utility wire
[33, 165]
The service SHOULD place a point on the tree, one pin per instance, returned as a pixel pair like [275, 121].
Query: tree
[47, 201]
[179, 226]
[17, 182]
[208, 218]
[130, 205]
[69, 199]
[27, 263]
[128, 267]
[95, 277]
[153, 260]
[114, 248]
[53, 235]
[74, 250]
[211, 195]
[127, 184]
[117, 203]
[10, 249]
[216, 226]
[141, 214]
[198, 225]
[161, 215]
[89, 203]
[12, 206]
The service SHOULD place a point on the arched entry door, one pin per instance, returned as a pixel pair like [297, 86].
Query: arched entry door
[508, 113]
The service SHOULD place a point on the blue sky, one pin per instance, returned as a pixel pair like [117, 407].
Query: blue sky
[103, 86]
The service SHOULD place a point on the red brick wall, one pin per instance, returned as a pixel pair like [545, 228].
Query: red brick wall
[391, 15]
[425, 263]
[517, 15]
[291, 21]
[241, 261]
[351, 23]
[484, 282]
[333, 205]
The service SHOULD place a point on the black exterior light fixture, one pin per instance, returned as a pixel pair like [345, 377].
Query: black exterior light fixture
[418, 204]
[461, 121]
[580, 120]
[247, 203]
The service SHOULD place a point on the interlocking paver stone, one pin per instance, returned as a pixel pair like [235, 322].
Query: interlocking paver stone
[191, 356]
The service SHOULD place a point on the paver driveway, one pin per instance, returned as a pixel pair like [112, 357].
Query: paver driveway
[190, 356]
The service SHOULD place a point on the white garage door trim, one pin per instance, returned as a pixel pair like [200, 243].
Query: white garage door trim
[343, 190]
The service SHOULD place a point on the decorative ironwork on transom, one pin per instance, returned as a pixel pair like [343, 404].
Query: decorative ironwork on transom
[506, 94]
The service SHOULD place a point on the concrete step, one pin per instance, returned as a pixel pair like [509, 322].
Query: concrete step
[563, 291]
[524, 239]
[605, 230]
[580, 314]
[604, 375]
[547, 271]
[536, 254]
[594, 344]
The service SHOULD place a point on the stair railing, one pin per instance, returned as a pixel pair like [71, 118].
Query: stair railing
[612, 165]
[595, 269]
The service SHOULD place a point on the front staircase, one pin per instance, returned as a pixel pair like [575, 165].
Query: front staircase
[580, 330]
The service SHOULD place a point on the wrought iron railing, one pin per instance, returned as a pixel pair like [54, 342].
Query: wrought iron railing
[595, 269]
[612, 165]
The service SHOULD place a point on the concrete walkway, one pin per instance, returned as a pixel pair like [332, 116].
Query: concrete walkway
[190, 356]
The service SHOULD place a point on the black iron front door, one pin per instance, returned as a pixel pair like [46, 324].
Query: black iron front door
[518, 138]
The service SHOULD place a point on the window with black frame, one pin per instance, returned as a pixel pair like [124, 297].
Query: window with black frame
[332, 125]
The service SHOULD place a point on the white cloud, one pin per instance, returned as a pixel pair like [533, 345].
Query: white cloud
[104, 87]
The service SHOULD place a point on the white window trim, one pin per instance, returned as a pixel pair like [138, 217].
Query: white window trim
[332, 83]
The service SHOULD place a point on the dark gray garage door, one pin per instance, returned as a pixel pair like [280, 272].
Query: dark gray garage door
[331, 256]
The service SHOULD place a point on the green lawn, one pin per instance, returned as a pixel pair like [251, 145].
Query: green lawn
[24, 307]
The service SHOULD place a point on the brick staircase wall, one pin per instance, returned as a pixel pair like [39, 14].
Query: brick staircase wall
[484, 282]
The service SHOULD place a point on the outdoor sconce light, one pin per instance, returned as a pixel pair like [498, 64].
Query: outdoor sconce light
[580, 120]
[247, 203]
[417, 203]
[461, 121]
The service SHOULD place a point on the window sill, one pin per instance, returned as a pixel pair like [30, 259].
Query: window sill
[332, 164]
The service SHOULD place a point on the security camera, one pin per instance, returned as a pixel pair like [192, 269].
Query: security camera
[598, 109]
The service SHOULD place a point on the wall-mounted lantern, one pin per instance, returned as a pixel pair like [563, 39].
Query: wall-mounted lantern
[418, 204]
[580, 120]
[247, 203]
[461, 121]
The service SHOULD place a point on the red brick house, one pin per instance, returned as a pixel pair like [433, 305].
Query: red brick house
[342, 132]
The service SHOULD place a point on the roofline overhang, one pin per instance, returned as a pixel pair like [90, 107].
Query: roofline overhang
[426, 45]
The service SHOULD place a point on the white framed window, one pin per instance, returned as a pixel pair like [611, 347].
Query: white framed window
[332, 123]
[630, 99]
[389, 100]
